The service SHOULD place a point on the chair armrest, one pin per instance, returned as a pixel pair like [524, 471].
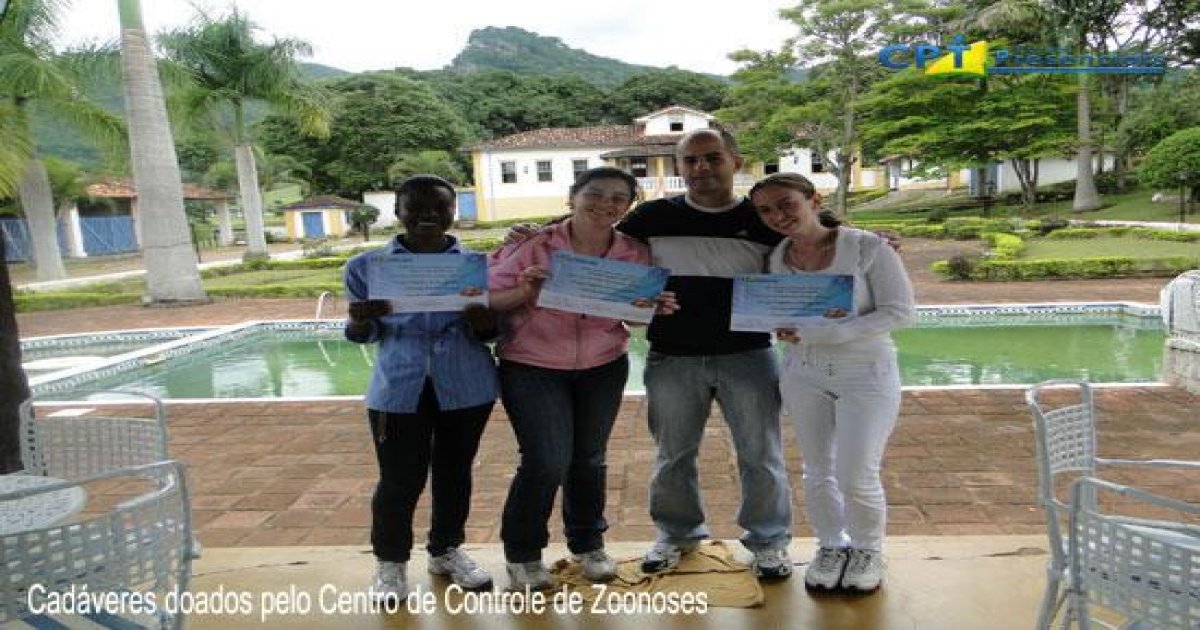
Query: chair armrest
[1150, 463]
[1084, 483]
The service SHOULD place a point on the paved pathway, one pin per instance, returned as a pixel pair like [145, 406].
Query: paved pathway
[960, 462]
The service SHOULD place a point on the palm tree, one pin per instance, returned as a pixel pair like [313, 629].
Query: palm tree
[33, 77]
[172, 274]
[1081, 26]
[230, 69]
[14, 388]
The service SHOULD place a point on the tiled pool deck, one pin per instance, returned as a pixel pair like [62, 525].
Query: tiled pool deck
[960, 462]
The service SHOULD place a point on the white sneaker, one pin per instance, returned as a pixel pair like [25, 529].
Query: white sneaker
[864, 570]
[390, 581]
[529, 574]
[772, 564]
[598, 566]
[664, 556]
[462, 570]
[825, 570]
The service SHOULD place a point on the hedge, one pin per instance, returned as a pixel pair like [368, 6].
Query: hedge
[1075, 268]
[276, 290]
[59, 300]
[1004, 246]
[1127, 231]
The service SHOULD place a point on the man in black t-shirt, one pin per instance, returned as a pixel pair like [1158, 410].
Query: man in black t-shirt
[705, 237]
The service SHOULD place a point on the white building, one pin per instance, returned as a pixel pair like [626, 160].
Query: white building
[527, 174]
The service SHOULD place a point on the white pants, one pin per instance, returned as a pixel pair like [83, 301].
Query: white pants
[844, 411]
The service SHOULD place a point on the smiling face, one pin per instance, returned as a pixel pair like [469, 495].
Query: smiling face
[707, 167]
[786, 210]
[427, 212]
[601, 202]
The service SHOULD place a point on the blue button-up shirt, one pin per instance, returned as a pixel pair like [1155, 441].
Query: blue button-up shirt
[414, 346]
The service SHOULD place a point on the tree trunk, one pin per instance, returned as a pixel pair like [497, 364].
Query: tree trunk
[38, 204]
[167, 250]
[251, 199]
[1086, 196]
[1024, 170]
[224, 225]
[14, 387]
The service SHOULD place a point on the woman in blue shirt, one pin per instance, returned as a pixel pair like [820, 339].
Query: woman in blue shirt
[428, 401]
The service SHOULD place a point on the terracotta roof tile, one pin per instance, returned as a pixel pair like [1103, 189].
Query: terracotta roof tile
[607, 135]
[123, 189]
[322, 201]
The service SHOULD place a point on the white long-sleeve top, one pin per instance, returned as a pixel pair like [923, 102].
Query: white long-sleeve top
[883, 297]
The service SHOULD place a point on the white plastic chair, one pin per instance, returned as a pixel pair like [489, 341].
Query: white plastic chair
[141, 545]
[1066, 445]
[1129, 573]
[76, 447]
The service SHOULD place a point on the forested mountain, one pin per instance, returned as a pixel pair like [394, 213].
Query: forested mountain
[520, 51]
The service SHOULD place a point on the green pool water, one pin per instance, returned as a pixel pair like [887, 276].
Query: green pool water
[271, 364]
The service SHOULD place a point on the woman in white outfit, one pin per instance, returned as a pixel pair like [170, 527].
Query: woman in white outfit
[840, 381]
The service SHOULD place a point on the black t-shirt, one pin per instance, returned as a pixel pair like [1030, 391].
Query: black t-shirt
[703, 250]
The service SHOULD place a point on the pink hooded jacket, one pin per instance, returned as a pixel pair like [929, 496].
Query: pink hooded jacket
[551, 338]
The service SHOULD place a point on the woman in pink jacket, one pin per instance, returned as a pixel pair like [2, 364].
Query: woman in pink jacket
[562, 376]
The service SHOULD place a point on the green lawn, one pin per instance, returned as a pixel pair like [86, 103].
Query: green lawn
[286, 277]
[1098, 247]
[1134, 206]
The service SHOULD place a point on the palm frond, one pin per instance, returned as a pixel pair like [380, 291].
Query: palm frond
[29, 76]
[104, 130]
[16, 149]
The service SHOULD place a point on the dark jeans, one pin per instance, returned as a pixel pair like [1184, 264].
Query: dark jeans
[407, 445]
[562, 420]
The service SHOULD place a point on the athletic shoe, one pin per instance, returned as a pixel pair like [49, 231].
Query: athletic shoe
[598, 566]
[772, 564]
[864, 570]
[664, 556]
[532, 575]
[825, 570]
[462, 570]
[390, 581]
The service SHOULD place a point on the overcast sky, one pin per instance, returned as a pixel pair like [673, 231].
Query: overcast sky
[359, 35]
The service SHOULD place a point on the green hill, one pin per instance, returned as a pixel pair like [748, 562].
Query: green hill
[520, 51]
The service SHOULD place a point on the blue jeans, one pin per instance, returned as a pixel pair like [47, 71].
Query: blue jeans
[562, 420]
[680, 391]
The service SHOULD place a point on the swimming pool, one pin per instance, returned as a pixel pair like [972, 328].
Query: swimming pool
[44, 355]
[949, 346]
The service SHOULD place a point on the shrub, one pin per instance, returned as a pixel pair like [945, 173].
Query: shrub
[938, 215]
[1050, 224]
[960, 267]
[1004, 246]
[1075, 268]
[923, 231]
[316, 248]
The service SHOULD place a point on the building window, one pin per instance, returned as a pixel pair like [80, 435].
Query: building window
[676, 122]
[577, 168]
[770, 168]
[508, 172]
[545, 174]
[638, 167]
[818, 166]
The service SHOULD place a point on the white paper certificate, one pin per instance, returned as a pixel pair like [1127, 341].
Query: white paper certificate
[602, 287]
[427, 282]
[765, 302]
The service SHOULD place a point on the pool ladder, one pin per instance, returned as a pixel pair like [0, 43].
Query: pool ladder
[321, 302]
[332, 297]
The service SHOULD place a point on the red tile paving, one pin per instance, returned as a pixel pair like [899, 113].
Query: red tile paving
[949, 470]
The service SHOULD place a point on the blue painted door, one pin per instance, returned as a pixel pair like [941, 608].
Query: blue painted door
[16, 240]
[466, 206]
[108, 235]
[314, 224]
